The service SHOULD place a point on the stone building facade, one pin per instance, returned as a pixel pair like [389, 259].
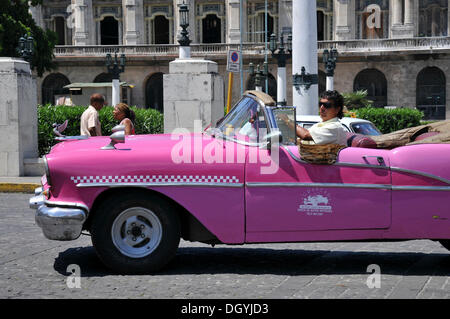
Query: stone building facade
[398, 50]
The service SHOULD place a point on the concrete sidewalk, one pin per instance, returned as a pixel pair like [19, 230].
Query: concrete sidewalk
[23, 184]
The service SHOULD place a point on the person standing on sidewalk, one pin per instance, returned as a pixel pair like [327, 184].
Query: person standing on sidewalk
[90, 124]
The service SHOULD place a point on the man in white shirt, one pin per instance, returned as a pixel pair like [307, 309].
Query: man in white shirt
[330, 130]
[89, 123]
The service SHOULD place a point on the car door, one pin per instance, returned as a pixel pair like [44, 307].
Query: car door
[352, 194]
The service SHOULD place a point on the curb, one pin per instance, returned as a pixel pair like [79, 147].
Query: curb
[18, 187]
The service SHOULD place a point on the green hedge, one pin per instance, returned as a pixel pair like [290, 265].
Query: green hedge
[390, 120]
[148, 121]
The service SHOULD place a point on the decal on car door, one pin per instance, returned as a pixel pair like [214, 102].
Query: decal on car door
[315, 203]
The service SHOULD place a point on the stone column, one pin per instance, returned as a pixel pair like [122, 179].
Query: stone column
[233, 28]
[133, 17]
[402, 28]
[396, 12]
[193, 93]
[344, 11]
[304, 55]
[448, 23]
[18, 116]
[409, 12]
[36, 13]
[192, 22]
[84, 22]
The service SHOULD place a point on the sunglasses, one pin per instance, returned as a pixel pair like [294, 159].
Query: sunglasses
[326, 105]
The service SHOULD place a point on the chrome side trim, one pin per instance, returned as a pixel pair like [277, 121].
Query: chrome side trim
[322, 185]
[421, 188]
[159, 184]
[410, 171]
[394, 169]
[360, 186]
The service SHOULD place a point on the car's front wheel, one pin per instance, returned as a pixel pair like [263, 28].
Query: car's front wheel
[135, 233]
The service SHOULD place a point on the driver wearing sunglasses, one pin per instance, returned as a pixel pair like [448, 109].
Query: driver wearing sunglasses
[330, 130]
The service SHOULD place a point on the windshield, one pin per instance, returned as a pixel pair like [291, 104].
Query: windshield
[245, 122]
[365, 128]
[285, 119]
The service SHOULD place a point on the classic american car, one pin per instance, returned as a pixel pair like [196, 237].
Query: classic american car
[354, 125]
[240, 182]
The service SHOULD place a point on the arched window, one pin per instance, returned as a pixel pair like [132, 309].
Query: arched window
[161, 30]
[211, 29]
[272, 85]
[103, 78]
[430, 93]
[109, 31]
[375, 83]
[53, 85]
[154, 97]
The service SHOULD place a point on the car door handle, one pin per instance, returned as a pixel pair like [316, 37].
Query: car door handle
[380, 159]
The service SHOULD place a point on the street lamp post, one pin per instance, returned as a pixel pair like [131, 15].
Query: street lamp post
[115, 68]
[26, 47]
[329, 59]
[183, 40]
[260, 75]
[281, 54]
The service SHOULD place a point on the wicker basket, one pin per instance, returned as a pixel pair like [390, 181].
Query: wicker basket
[320, 154]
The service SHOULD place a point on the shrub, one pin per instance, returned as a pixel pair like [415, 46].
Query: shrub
[390, 120]
[148, 121]
[356, 100]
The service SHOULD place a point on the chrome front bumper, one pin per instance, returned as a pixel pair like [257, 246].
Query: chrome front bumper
[57, 223]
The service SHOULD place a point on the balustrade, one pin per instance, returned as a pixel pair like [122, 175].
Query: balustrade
[221, 49]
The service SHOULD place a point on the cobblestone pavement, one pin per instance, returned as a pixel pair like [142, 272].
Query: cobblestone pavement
[34, 267]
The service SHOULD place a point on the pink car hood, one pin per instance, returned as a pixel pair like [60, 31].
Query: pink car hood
[133, 142]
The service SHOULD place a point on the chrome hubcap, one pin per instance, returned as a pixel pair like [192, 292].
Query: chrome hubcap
[136, 232]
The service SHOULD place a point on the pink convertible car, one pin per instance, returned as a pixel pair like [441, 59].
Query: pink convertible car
[240, 182]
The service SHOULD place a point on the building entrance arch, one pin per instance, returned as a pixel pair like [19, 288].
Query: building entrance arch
[375, 83]
[52, 85]
[154, 96]
[430, 93]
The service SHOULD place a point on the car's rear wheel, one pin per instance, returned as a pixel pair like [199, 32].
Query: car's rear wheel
[445, 243]
[135, 233]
